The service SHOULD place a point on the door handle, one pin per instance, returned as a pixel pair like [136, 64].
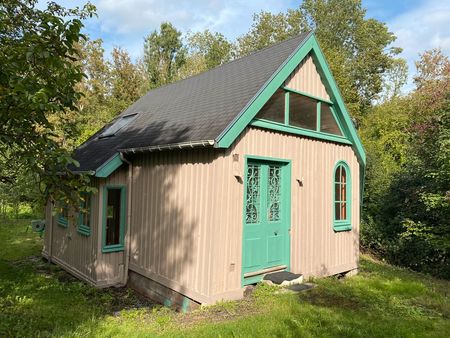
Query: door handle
[275, 233]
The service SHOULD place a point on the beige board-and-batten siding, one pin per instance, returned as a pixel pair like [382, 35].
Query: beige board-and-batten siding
[305, 78]
[80, 254]
[187, 216]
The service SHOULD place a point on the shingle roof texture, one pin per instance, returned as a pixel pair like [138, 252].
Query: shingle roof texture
[194, 109]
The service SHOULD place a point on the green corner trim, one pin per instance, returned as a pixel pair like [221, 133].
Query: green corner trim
[299, 131]
[343, 225]
[109, 166]
[123, 208]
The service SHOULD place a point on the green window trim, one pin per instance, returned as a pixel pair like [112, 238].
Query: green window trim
[299, 131]
[344, 224]
[62, 220]
[84, 229]
[120, 246]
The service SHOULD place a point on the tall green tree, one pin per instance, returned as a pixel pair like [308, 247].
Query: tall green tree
[164, 54]
[38, 75]
[213, 47]
[357, 48]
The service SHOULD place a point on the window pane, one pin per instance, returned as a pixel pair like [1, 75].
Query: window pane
[337, 192]
[337, 211]
[343, 175]
[273, 110]
[252, 204]
[327, 122]
[113, 216]
[274, 196]
[343, 211]
[302, 111]
[119, 124]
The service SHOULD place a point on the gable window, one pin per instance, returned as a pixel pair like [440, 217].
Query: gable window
[328, 123]
[273, 110]
[84, 216]
[117, 125]
[295, 112]
[113, 218]
[302, 111]
[63, 216]
[342, 197]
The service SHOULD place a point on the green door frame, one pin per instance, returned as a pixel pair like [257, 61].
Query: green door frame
[286, 200]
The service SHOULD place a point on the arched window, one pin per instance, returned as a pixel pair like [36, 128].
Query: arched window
[342, 197]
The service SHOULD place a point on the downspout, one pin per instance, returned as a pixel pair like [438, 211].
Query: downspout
[127, 235]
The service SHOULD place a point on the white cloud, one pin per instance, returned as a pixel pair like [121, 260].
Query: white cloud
[126, 22]
[422, 28]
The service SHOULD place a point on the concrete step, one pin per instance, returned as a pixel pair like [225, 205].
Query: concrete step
[283, 278]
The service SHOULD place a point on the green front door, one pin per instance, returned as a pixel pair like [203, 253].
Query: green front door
[266, 217]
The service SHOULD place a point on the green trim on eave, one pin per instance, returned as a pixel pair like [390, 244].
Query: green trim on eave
[307, 95]
[109, 166]
[298, 131]
[309, 45]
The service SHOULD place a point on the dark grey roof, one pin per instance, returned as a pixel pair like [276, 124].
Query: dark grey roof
[194, 109]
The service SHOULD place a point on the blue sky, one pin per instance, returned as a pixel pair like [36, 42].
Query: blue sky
[418, 24]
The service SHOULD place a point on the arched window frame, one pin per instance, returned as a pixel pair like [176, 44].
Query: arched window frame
[343, 224]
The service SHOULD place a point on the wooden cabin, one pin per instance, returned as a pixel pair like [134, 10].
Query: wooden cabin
[207, 184]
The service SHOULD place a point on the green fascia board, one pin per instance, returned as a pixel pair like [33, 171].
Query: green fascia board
[109, 166]
[310, 45]
[299, 131]
[229, 135]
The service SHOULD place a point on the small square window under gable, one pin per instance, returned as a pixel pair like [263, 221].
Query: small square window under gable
[118, 125]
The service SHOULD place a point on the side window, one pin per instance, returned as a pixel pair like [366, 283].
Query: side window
[114, 208]
[63, 215]
[84, 216]
[342, 197]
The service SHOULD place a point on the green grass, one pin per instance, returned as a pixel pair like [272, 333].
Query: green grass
[38, 299]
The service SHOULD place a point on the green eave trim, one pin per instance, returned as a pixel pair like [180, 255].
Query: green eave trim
[109, 166]
[309, 46]
[298, 131]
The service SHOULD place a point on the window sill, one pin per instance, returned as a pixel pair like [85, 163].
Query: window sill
[344, 226]
[84, 230]
[113, 248]
[63, 223]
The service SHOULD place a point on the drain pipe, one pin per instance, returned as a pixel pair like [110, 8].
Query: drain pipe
[127, 235]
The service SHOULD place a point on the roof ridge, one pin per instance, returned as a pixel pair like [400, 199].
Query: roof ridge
[226, 63]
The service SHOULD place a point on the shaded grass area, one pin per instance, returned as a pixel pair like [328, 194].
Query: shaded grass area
[38, 299]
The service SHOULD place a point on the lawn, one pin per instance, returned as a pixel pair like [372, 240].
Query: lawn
[39, 300]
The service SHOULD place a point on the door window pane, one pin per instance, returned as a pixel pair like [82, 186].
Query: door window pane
[274, 200]
[113, 216]
[327, 122]
[252, 205]
[302, 111]
[273, 110]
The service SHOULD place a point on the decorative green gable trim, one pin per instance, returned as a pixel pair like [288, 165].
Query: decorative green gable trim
[310, 46]
[109, 166]
[228, 136]
[298, 131]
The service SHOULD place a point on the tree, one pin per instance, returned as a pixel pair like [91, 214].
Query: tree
[38, 75]
[213, 47]
[164, 55]
[356, 48]
[127, 80]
